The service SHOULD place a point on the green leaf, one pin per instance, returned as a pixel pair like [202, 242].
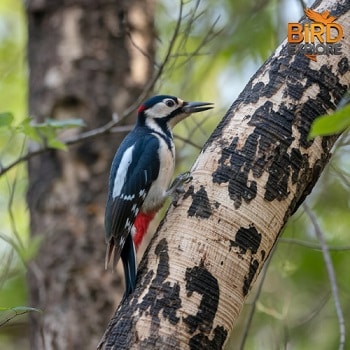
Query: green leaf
[21, 309]
[29, 130]
[56, 143]
[62, 124]
[6, 119]
[7, 314]
[331, 124]
[50, 137]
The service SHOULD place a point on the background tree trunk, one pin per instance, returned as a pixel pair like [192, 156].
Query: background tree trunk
[253, 173]
[82, 64]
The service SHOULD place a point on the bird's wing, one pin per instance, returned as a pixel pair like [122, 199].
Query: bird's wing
[131, 178]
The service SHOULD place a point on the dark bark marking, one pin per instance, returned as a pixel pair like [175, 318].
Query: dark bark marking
[200, 280]
[340, 8]
[274, 132]
[268, 147]
[189, 192]
[308, 176]
[118, 340]
[200, 207]
[247, 238]
[296, 158]
[201, 341]
[343, 66]
[234, 166]
[162, 296]
[253, 268]
[162, 300]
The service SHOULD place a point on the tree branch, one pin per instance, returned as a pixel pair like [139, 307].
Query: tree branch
[312, 245]
[331, 274]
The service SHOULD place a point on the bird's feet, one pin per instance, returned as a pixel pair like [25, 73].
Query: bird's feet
[177, 188]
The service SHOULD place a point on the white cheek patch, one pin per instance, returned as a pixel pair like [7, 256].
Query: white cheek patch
[160, 110]
[120, 176]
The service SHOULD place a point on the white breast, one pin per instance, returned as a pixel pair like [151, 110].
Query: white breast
[157, 193]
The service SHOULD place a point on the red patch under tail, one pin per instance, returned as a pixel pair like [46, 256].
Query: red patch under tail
[141, 223]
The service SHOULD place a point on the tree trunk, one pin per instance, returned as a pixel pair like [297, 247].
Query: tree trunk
[83, 64]
[253, 173]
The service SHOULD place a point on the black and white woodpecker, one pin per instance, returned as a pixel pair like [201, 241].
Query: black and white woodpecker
[140, 175]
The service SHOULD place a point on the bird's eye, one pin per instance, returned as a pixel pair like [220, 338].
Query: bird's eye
[170, 103]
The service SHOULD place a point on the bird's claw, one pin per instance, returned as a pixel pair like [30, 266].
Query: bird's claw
[176, 188]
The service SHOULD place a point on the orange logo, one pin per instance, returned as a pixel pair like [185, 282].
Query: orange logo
[320, 36]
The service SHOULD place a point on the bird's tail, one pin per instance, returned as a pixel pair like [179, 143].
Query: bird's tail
[128, 256]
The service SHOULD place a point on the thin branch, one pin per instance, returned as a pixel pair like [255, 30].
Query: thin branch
[137, 47]
[254, 303]
[312, 245]
[105, 129]
[199, 126]
[210, 35]
[312, 314]
[12, 190]
[331, 274]
[167, 56]
[341, 175]
[188, 141]
[11, 242]
[10, 213]
[6, 262]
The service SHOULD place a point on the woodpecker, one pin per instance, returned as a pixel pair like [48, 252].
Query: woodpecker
[140, 175]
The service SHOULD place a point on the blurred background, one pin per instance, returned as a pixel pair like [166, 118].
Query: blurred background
[221, 45]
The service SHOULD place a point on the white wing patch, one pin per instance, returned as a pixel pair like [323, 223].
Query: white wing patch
[142, 194]
[128, 224]
[135, 209]
[122, 241]
[128, 197]
[120, 176]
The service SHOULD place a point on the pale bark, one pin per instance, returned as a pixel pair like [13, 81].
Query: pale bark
[253, 173]
[82, 64]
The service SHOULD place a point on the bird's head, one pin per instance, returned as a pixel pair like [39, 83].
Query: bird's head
[167, 111]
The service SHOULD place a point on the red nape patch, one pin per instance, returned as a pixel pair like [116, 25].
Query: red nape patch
[141, 225]
[141, 108]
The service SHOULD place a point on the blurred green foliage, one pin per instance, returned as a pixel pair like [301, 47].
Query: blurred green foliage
[13, 214]
[219, 46]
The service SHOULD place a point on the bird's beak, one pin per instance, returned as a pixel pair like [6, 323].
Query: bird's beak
[194, 107]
